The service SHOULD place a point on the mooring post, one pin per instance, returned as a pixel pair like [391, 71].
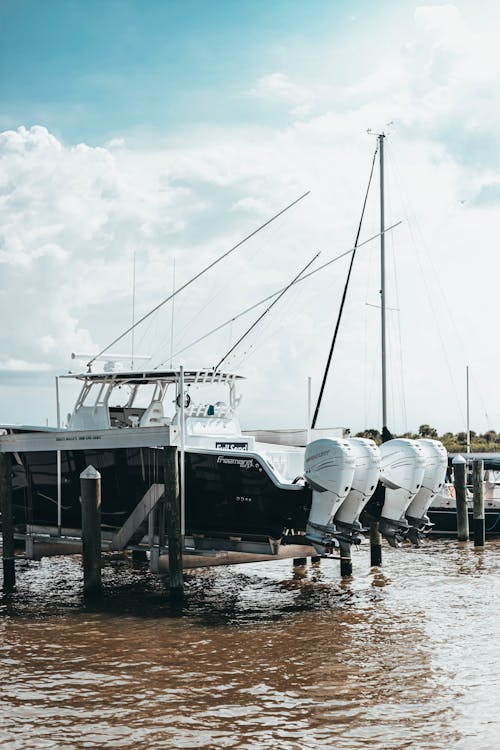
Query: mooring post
[477, 475]
[375, 545]
[9, 571]
[459, 480]
[173, 521]
[90, 489]
[345, 560]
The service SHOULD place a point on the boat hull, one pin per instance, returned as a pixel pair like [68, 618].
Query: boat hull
[445, 521]
[227, 494]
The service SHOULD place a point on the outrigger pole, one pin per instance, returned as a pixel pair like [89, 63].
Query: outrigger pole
[197, 276]
[274, 294]
[284, 291]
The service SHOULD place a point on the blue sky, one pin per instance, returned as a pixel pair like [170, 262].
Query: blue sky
[167, 131]
[91, 70]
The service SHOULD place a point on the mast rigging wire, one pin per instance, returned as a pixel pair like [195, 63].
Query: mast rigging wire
[344, 295]
[197, 276]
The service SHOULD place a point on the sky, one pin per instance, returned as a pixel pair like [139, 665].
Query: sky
[139, 141]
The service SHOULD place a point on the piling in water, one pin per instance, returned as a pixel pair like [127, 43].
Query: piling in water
[9, 571]
[90, 488]
[459, 469]
[375, 545]
[345, 560]
[477, 475]
[173, 521]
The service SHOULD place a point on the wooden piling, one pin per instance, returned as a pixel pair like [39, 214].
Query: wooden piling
[459, 480]
[90, 489]
[375, 545]
[479, 526]
[9, 571]
[345, 560]
[173, 521]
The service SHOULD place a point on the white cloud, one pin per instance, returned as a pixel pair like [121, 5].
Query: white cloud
[278, 87]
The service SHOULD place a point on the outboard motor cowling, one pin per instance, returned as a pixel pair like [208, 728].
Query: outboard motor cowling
[329, 466]
[402, 470]
[436, 462]
[366, 476]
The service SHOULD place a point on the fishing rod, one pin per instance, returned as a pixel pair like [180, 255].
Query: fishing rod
[266, 299]
[197, 276]
[284, 291]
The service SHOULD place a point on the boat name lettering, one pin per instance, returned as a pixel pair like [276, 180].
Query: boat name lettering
[80, 437]
[241, 499]
[243, 463]
[232, 446]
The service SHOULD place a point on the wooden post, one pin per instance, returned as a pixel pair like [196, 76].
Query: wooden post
[478, 474]
[9, 571]
[173, 521]
[375, 545]
[90, 488]
[459, 468]
[345, 560]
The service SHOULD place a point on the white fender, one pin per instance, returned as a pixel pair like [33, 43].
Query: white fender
[329, 468]
[436, 462]
[366, 476]
[402, 470]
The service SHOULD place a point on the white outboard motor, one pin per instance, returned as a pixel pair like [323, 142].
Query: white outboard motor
[366, 477]
[329, 468]
[436, 462]
[402, 470]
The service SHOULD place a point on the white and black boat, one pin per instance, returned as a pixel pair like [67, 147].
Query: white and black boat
[443, 509]
[233, 486]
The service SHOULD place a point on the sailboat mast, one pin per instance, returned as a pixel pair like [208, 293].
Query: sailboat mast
[382, 284]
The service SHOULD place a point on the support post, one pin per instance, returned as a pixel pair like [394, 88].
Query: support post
[375, 545]
[345, 560]
[9, 571]
[173, 520]
[479, 530]
[459, 468]
[90, 488]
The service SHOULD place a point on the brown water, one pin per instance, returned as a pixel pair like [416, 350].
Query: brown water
[407, 656]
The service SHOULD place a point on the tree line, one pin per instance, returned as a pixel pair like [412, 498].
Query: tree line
[488, 442]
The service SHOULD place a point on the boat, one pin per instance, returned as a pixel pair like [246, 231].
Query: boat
[235, 490]
[443, 509]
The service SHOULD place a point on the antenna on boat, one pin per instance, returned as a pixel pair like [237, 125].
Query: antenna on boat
[468, 407]
[285, 290]
[133, 311]
[197, 276]
[172, 319]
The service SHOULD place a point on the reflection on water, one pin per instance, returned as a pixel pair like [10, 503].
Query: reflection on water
[406, 656]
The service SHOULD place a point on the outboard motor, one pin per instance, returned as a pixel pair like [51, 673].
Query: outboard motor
[329, 466]
[366, 477]
[402, 470]
[436, 462]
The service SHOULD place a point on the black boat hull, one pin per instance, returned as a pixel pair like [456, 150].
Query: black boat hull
[227, 494]
[445, 521]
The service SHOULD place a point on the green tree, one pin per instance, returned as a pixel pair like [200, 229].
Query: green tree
[426, 431]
